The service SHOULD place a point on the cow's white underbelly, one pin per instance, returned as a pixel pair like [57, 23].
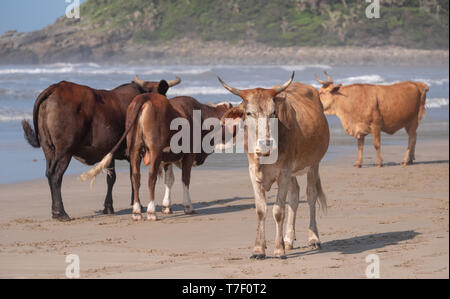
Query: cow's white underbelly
[301, 172]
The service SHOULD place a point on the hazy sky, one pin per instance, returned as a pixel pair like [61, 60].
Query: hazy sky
[30, 15]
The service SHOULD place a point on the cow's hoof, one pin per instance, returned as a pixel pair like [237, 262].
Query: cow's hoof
[279, 253]
[314, 244]
[258, 257]
[379, 165]
[63, 217]
[136, 216]
[288, 246]
[189, 211]
[166, 210]
[151, 217]
[108, 210]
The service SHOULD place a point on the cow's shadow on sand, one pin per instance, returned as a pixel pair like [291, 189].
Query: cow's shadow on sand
[359, 244]
[220, 206]
[389, 164]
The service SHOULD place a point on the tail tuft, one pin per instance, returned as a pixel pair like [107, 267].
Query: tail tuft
[30, 134]
[91, 174]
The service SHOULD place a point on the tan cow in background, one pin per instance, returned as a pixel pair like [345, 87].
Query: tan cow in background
[368, 108]
[303, 138]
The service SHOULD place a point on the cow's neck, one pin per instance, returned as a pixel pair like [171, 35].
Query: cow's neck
[345, 115]
[209, 111]
[127, 92]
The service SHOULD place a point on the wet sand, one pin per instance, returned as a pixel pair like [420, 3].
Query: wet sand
[401, 214]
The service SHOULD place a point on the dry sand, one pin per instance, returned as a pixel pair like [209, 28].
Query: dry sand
[400, 214]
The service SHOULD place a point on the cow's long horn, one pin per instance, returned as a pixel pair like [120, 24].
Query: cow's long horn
[174, 82]
[318, 80]
[281, 88]
[138, 81]
[330, 80]
[230, 89]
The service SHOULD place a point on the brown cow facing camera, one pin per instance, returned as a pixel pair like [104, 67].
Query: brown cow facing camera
[302, 142]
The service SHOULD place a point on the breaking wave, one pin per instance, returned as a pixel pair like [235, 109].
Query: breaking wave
[95, 69]
[436, 103]
[7, 115]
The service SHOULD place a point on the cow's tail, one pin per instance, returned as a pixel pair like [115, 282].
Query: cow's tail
[321, 196]
[32, 136]
[423, 89]
[322, 199]
[106, 161]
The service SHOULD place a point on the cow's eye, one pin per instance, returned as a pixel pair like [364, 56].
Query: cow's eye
[249, 113]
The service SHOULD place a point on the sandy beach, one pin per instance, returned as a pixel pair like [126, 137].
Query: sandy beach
[401, 214]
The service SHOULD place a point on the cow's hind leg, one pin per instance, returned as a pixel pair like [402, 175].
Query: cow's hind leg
[110, 180]
[312, 195]
[411, 129]
[55, 171]
[135, 162]
[168, 183]
[186, 168]
[359, 162]
[376, 134]
[155, 162]
[293, 199]
[132, 189]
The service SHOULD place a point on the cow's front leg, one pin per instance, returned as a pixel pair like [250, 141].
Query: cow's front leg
[259, 251]
[110, 180]
[186, 167]
[359, 162]
[278, 213]
[168, 183]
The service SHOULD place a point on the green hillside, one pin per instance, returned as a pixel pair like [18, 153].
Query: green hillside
[419, 24]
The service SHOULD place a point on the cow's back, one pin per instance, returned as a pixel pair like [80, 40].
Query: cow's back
[398, 104]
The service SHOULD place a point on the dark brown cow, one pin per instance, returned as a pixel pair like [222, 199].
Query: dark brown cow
[149, 135]
[72, 120]
[368, 108]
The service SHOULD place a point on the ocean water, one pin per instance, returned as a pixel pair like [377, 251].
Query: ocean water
[20, 85]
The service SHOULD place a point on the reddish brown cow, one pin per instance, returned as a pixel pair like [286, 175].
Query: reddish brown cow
[72, 120]
[148, 135]
[367, 108]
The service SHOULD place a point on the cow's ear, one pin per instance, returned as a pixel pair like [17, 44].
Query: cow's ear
[234, 113]
[284, 114]
[232, 117]
[336, 88]
[163, 87]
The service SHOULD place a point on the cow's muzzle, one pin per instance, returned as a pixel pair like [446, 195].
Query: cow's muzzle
[265, 146]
